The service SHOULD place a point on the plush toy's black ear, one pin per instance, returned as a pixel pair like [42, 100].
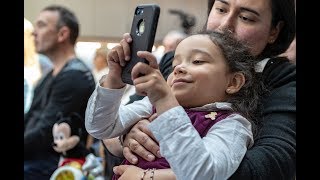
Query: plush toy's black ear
[75, 121]
[63, 118]
[77, 118]
[60, 117]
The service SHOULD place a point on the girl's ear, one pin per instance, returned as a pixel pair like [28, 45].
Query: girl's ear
[237, 81]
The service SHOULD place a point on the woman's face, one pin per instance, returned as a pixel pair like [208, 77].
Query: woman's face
[248, 20]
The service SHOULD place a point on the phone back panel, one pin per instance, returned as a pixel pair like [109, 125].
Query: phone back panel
[143, 31]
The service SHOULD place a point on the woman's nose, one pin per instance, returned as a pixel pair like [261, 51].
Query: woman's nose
[227, 24]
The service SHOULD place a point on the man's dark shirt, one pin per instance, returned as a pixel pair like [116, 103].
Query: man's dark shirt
[67, 92]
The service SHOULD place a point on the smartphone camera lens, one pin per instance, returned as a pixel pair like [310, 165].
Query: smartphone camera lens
[139, 11]
[141, 27]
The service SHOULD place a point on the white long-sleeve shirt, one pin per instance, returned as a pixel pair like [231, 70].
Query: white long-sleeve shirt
[215, 156]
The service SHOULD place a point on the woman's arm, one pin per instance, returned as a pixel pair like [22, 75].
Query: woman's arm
[116, 147]
[273, 155]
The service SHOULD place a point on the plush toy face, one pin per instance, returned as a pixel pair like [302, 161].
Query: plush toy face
[61, 131]
[63, 141]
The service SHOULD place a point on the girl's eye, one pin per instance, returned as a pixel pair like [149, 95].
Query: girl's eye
[197, 62]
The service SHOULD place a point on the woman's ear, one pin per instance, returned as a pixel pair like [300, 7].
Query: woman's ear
[275, 32]
[236, 83]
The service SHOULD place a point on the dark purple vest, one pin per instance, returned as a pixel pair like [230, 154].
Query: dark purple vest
[202, 125]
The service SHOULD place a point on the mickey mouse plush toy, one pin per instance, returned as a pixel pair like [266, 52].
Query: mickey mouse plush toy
[69, 140]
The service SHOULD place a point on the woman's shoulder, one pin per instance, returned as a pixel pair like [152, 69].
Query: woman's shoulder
[279, 77]
[279, 71]
[279, 64]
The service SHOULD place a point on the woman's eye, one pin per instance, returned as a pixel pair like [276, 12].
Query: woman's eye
[220, 10]
[246, 19]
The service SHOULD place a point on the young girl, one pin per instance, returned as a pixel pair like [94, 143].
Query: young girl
[204, 107]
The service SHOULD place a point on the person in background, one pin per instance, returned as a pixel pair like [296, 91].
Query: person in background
[35, 65]
[201, 103]
[268, 26]
[45, 64]
[100, 63]
[28, 94]
[65, 89]
[172, 39]
[32, 72]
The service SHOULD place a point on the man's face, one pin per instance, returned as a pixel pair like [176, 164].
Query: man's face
[46, 32]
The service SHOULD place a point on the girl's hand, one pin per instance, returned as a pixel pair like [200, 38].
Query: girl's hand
[117, 58]
[152, 83]
[128, 172]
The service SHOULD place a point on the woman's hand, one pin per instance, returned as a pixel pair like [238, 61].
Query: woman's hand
[141, 142]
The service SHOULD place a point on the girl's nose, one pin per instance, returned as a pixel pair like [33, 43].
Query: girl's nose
[179, 69]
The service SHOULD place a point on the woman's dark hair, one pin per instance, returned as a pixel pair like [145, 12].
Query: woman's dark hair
[282, 11]
[239, 59]
[66, 18]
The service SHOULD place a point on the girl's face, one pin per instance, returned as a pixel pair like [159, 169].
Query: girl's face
[200, 74]
[248, 20]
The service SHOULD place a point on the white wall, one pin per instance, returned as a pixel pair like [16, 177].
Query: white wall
[109, 19]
